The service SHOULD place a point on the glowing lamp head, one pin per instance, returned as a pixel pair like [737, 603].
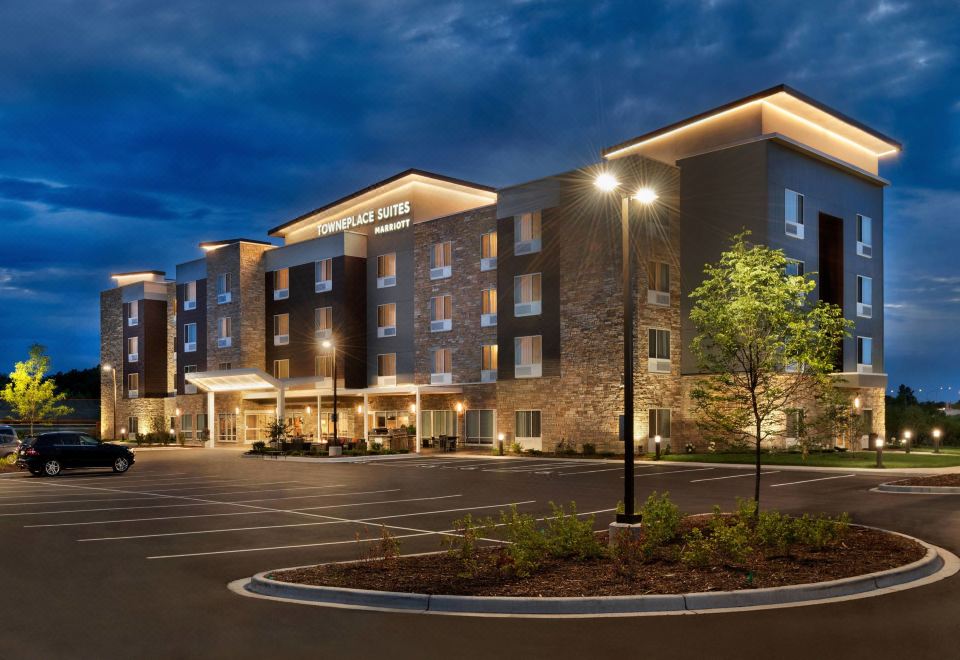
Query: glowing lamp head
[327, 343]
[879, 443]
[177, 412]
[359, 408]
[907, 434]
[413, 407]
[646, 195]
[657, 439]
[459, 407]
[936, 433]
[108, 367]
[308, 410]
[857, 403]
[501, 437]
[606, 182]
[237, 410]
[123, 430]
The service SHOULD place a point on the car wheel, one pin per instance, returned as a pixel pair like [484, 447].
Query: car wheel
[52, 468]
[121, 464]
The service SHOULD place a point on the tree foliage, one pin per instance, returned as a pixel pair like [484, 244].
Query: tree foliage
[763, 343]
[32, 396]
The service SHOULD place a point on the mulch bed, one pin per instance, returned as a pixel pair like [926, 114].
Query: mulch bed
[862, 551]
[936, 480]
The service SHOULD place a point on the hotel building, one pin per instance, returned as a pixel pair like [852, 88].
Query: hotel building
[465, 310]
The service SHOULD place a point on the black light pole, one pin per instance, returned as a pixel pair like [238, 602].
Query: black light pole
[608, 183]
[336, 436]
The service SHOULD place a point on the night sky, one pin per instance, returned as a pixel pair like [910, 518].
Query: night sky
[130, 131]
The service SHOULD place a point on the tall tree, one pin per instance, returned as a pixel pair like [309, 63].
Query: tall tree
[764, 346]
[33, 397]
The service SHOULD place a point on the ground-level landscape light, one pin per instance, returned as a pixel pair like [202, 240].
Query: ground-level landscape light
[936, 441]
[906, 436]
[879, 452]
[500, 438]
[656, 441]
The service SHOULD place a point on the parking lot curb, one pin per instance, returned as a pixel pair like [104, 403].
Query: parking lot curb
[928, 490]
[936, 564]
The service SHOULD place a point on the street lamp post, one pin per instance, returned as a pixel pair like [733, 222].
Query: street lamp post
[113, 372]
[336, 435]
[608, 183]
[879, 452]
[936, 441]
[906, 436]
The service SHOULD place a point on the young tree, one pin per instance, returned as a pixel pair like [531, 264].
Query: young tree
[763, 345]
[32, 397]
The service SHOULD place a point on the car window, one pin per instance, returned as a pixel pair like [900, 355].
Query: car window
[7, 431]
[67, 439]
[87, 441]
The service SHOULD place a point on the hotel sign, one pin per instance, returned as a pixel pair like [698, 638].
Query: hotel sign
[398, 215]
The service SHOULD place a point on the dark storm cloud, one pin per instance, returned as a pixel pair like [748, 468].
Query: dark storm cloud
[188, 121]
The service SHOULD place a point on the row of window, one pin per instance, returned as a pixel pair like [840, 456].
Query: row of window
[794, 224]
[864, 288]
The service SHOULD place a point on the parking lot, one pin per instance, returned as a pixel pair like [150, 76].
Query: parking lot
[142, 560]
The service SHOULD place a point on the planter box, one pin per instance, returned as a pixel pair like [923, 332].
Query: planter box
[336, 451]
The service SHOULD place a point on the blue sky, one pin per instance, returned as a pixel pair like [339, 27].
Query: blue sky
[131, 131]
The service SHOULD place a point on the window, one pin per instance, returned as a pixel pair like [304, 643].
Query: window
[281, 368]
[281, 329]
[323, 322]
[281, 284]
[224, 366]
[794, 268]
[387, 369]
[480, 427]
[133, 312]
[658, 287]
[323, 275]
[223, 288]
[189, 388]
[528, 425]
[527, 357]
[864, 296]
[441, 260]
[323, 366]
[133, 386]
[133, 425]
[488, 363]
[526, 233]
[190, 295]
[226, 427]
[189, 337]
[488, 308]
[793, 213]
[202, 430]
[865, 355]
[659, 424]
[794, 426]
[224, 332]
[864, 236]
[488, 250]
[133, 355]
[435, 423]
[387, 270]
[387, 320]
[441, 371]
[527, 295]
[441, 313]
[658, 353]
[867, 421]
[186, 425]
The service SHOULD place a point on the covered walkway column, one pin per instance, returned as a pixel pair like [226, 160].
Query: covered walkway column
[416, 421]
[281, 403]
[366, 417]
[211, 424]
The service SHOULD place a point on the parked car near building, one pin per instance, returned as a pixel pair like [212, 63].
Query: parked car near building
[9, 442]
[51, 453]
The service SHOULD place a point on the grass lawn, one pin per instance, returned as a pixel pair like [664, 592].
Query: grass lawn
[891, 459]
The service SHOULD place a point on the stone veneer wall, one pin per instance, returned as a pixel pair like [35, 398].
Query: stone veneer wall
[464, 286]
[111, 352]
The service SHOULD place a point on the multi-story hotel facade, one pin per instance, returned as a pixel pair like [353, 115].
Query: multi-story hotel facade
[469, 311]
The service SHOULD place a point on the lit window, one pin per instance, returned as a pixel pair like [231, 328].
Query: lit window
[488, 251]
[281, 368]
[189, 337]
[441, 313]
[488, 307]
[133, 312]
[527, 295]
[387, 365]
[224, 294]
[387, 270]
[323, 275]
[441, 366]
[864, 296]
[528, 425]
[864, 236]
[133, 354]
[190, 295]
[528, 357]
[323, 322]
[658, 352]
[323, 366]
[224, 332]
[793, 213]
[441, 260]
[488, 363]
[526, 233]
[281, 329]
[281, 284]
[658, 288]
[133, 386]
[387, 320]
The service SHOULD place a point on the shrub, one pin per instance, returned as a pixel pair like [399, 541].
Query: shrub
[526, 549]
[728, 542]
[589, 449]
[568, 536]
[661, 521]
[697, 549]
[565, 447]
[385, 548]
[822, 531]
[774, 530]
[516, 448]
[463, 547]
[259, 447]
[627, 553]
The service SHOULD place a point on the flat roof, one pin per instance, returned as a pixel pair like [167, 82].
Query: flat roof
[396, 177]
[209, 245]
[867, 137]
[134, 273]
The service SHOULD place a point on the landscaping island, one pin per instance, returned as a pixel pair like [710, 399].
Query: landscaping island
[937, 480]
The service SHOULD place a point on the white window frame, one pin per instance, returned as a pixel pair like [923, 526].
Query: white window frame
[133, 313]
[441, 321]
[798, 265]
[279, 366]
[533, 306]
[488, 307]
[281, 284]
[387, 270]
[133, 385]
[323, 275]
[656, 363]
[864, 307]
[190, 295]
[323, 322]
[864, 247]
[656, 295]
[488, 250]
[528, 441]
[189, 388]
[441, 260]
[281, 338]
[793, 228]
[527, 233]
[488, 369]
[864, 367]
[224, 288]
[389, 329]
[224, 332]
[386, 379]
[479, 438]
[133, 349]
[323, 366]
[189, 346]
[532, 367]
[442, 357]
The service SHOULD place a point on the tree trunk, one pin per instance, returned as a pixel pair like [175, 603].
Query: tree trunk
[756, 484]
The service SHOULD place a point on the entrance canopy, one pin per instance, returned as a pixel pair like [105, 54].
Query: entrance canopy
[234, 380]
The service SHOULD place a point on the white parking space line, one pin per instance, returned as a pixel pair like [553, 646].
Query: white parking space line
[657, 474]
[735, 476]
[75, 501]
[303, 497]
[234, 483]
[117, 508]
[285, 547]
[807, 481]
[163, 496]
[575, 474]
[351, 504]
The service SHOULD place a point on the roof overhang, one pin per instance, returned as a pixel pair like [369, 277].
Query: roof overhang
[233, 380]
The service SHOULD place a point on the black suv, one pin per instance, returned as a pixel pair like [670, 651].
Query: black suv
[51, 453]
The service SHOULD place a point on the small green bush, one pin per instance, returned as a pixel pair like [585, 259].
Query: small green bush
[589, 449]
[697, 549]
[774, 530]
[728, 542]
[661, 521]
[822, 531]
[259, 447]
[568, 536]
[527, 547]
[463, 547]
[516, 448]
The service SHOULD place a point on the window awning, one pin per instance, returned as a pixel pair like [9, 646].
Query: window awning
[233, 380]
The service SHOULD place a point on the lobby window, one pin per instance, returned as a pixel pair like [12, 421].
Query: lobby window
[387, 369]
[189, 337]
[133, 313]
[658, 424]
[281, 329]
[658, 285]
[133, 386]
[226, 427]
[224, 366]
[528, 357]
[190, 295]
[795, 268]
[488, 251]
[658, 353]
[527, 425]
[435, 423]
[133, 354]
[441, 369]
[488, 308]
[793, 213]
[281, 368]
[323, 322]
[526, 233]
[387, 270]
[480, 425]
[488, 363]
[387, 320]
[224, 294]
[189, 388]
[323, 275]
[441, 313]
[527, 295]
[186, 426]
[864, 296]
[224, 332]
[441, 260]
[323, 366]
[864, 236]
[133, 426]
[865, 355]
[281, 284]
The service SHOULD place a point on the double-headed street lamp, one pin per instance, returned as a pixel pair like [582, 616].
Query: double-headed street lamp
[608, 183]
[108, 368]
[331, 345]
